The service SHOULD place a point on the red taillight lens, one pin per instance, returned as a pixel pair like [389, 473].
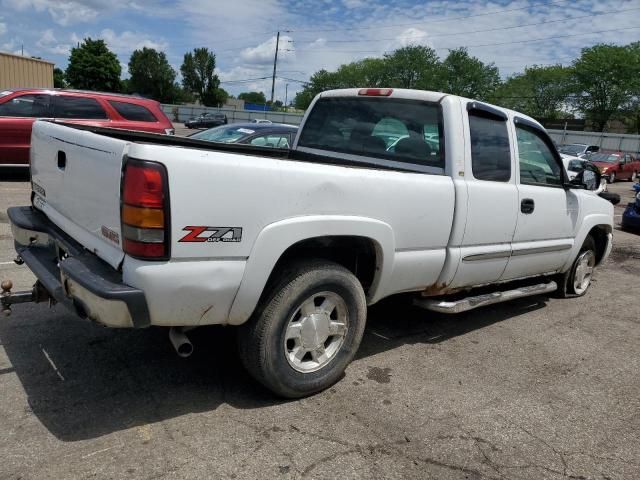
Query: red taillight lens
[144, 212]
[143, 186]
[375, 92]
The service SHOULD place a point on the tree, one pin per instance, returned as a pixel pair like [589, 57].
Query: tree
[198, 76]
[58, 78]
[253, 97]
[92, 66]
[151, 75]
[464, 75]
[540, 92]
[606, 81]
[413, 67]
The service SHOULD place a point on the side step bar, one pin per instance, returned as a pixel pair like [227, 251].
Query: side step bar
[469, 303]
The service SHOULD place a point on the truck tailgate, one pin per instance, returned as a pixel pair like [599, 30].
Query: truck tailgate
[76, 181]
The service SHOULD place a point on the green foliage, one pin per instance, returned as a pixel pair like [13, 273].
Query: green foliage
[606, 80]
[199, 78]
[253, 97]
[151, 75]
[58, 78]
[464, 75]
[413, 67]
[540, 92]
[92, 66]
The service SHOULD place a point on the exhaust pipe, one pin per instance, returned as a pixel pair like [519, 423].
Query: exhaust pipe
[180, 342]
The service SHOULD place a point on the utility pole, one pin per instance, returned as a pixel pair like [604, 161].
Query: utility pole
[275, 62]
[286, 96]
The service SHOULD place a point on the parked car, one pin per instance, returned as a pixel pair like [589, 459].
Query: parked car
[262, 134]
[578, 149]
[292, 245]
[20, 108]
[616, 166]
[207, 120]
[631, 215]
[261, 120]
[572, 164]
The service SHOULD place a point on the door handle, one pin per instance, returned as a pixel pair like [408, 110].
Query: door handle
[62, 160]
[527, 205]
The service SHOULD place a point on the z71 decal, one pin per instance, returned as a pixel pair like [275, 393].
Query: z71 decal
[212, 234]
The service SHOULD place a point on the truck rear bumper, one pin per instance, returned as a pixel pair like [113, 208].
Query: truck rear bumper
[74, 276]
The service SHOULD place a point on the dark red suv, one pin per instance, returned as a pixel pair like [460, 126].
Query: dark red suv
[20, 108]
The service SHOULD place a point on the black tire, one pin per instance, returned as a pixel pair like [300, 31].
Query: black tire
[612, 177]
[261, 340]
[565, 281]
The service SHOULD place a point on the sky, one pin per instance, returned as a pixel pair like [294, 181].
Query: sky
[316, 34]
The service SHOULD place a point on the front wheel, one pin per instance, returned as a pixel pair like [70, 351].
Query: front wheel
[577, 280]
[612, 177]
[306, 332]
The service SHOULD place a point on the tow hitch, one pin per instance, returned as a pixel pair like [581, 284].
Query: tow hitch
[7, 298]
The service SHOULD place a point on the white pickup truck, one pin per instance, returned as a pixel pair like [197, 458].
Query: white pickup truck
[384, 191]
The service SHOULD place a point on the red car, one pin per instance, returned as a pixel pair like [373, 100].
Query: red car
[20, 108]
[616, 166]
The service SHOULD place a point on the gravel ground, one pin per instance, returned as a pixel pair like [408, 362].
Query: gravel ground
[536, 388]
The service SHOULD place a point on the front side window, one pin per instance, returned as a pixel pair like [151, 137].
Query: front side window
[490, 152]
[36, 105]
[78, 107]
[386, 128]
[538, 165]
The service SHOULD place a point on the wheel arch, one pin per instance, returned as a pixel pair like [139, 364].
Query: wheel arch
[335, 238]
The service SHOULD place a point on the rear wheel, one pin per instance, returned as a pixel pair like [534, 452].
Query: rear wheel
[307, 331]
[577, 280]
[634, 176]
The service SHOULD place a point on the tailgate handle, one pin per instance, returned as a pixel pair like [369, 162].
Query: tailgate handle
[62, 160]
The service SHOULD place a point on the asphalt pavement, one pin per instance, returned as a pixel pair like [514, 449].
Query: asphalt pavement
[536, 388]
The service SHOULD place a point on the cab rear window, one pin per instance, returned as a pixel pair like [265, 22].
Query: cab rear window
[398, 130]
[133, 112]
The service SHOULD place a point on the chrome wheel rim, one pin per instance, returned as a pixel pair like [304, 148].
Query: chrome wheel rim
[612, 177]
[316, 331]
[584, 270]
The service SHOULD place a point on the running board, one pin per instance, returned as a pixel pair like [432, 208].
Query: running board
[469, 303]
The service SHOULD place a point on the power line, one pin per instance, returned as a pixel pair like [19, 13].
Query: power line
[495, 29]
[485, 44]
[545, 4]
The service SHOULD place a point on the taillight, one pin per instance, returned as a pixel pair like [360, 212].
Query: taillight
[145, 210]
[375, 92]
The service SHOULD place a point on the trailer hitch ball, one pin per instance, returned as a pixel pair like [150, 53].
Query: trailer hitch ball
[6, 285]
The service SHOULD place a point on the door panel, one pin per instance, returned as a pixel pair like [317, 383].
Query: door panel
[17, 115]
[547, 213]
[492, 198]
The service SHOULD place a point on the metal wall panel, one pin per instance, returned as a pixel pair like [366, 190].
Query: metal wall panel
[24, 72]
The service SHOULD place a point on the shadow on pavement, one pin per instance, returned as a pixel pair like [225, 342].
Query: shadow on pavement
[84, 381]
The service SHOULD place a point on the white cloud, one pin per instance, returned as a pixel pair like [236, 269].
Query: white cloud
[49, 43]
[355, 3]
[3, 28]
[412, 36]
[126, 42]
[264, 52]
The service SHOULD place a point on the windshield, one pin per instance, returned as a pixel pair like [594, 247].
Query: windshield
[573, 149]
[576, 165]
[604, 157]
[223, 134]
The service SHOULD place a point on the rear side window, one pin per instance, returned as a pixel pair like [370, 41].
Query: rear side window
[405, 131]
[490, 153]
[78, 107]
[26, 106]
[133, 112]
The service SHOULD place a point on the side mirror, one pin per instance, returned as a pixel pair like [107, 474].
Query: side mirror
[589, 178]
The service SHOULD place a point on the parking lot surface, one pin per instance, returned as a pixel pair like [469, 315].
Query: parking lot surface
[535, 388]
